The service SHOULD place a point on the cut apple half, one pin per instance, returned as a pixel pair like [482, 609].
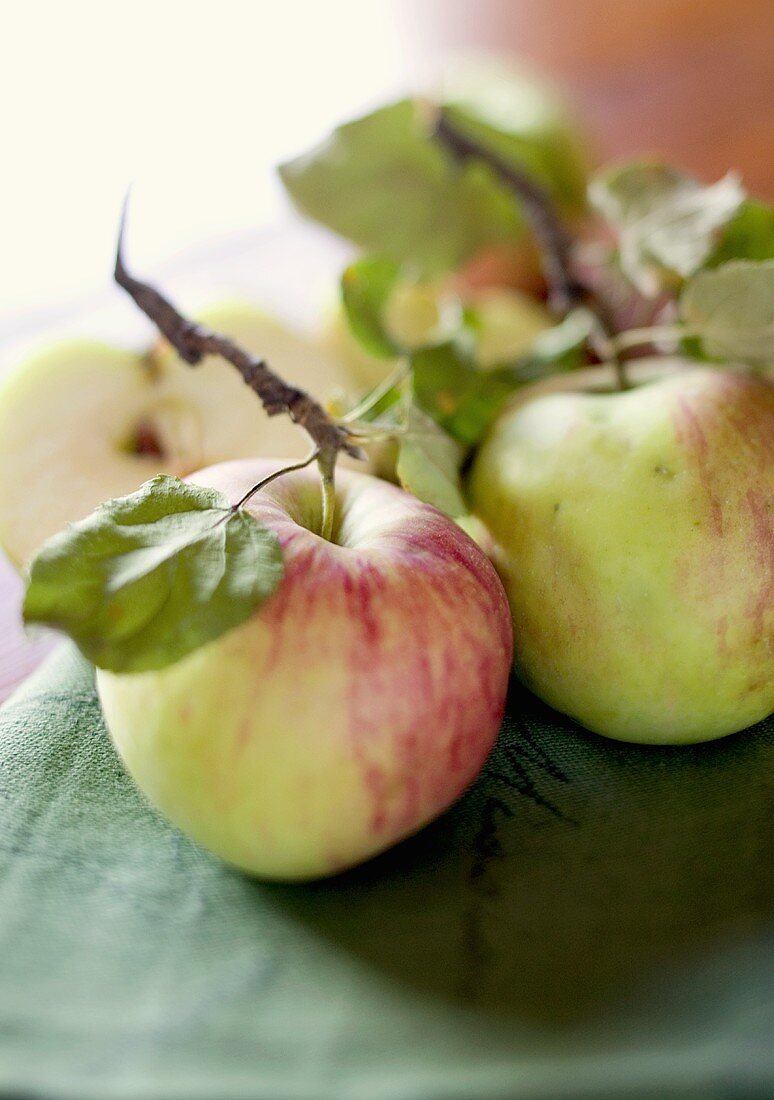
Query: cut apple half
[83, 422]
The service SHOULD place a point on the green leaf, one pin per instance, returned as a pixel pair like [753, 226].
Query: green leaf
[465, 398]
[748, 236]
[523, 121]
[148, 578]
[731, 309]
[383, 182]
[366, 286]
[458, 395]
[429, 464]
[667, 223]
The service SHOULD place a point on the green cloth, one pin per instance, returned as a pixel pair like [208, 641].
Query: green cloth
[590, 920]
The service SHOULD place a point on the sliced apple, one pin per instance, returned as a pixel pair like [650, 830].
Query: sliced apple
[234, 424]
[82, 422]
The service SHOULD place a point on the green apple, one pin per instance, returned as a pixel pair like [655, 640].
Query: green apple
[416, 313]
[355, 706]
[634, 536]
[82, 422]
[507, 323]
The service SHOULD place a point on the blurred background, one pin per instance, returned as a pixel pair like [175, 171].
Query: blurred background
[195, 102]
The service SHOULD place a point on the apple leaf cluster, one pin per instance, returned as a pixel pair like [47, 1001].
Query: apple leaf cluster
[706, 251]
[147, 578]
[669, 226]
[693, 260]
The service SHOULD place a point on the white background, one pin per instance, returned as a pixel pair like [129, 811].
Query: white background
[192, 103]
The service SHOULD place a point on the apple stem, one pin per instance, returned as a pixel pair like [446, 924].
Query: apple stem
[621, 377]
[310, 458]
[606, 347]
[328, 499]
[655, 334]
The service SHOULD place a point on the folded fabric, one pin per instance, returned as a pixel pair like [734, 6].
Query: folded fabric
[591, 920]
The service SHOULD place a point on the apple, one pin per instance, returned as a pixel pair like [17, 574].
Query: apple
[413, 314]
[508, 324]
[353, 708]
[634, 537]
[416, 314]
[82, 422]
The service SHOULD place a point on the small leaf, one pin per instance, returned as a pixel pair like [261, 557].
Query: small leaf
[667, 222]
[465, 398]
[429, 463]
[748, 236]
[731, 309]
[366, 286]
[458, 395]
[148, 578]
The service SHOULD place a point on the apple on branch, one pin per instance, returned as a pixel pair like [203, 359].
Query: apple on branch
[83, 422]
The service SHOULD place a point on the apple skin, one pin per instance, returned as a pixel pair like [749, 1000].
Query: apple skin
[353, 708]
[634, 537]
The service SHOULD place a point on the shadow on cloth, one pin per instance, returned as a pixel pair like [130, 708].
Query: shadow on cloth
[574, 870]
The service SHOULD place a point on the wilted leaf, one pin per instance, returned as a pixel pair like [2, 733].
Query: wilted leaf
[667, 223]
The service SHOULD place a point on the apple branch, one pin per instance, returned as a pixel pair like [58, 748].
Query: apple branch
[554, 242]
[193, 342]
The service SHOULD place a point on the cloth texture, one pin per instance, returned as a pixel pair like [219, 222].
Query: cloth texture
[592, 920]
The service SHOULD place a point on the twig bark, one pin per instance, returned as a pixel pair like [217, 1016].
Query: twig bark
[554, 242]
[565, 289]
[193, 342]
